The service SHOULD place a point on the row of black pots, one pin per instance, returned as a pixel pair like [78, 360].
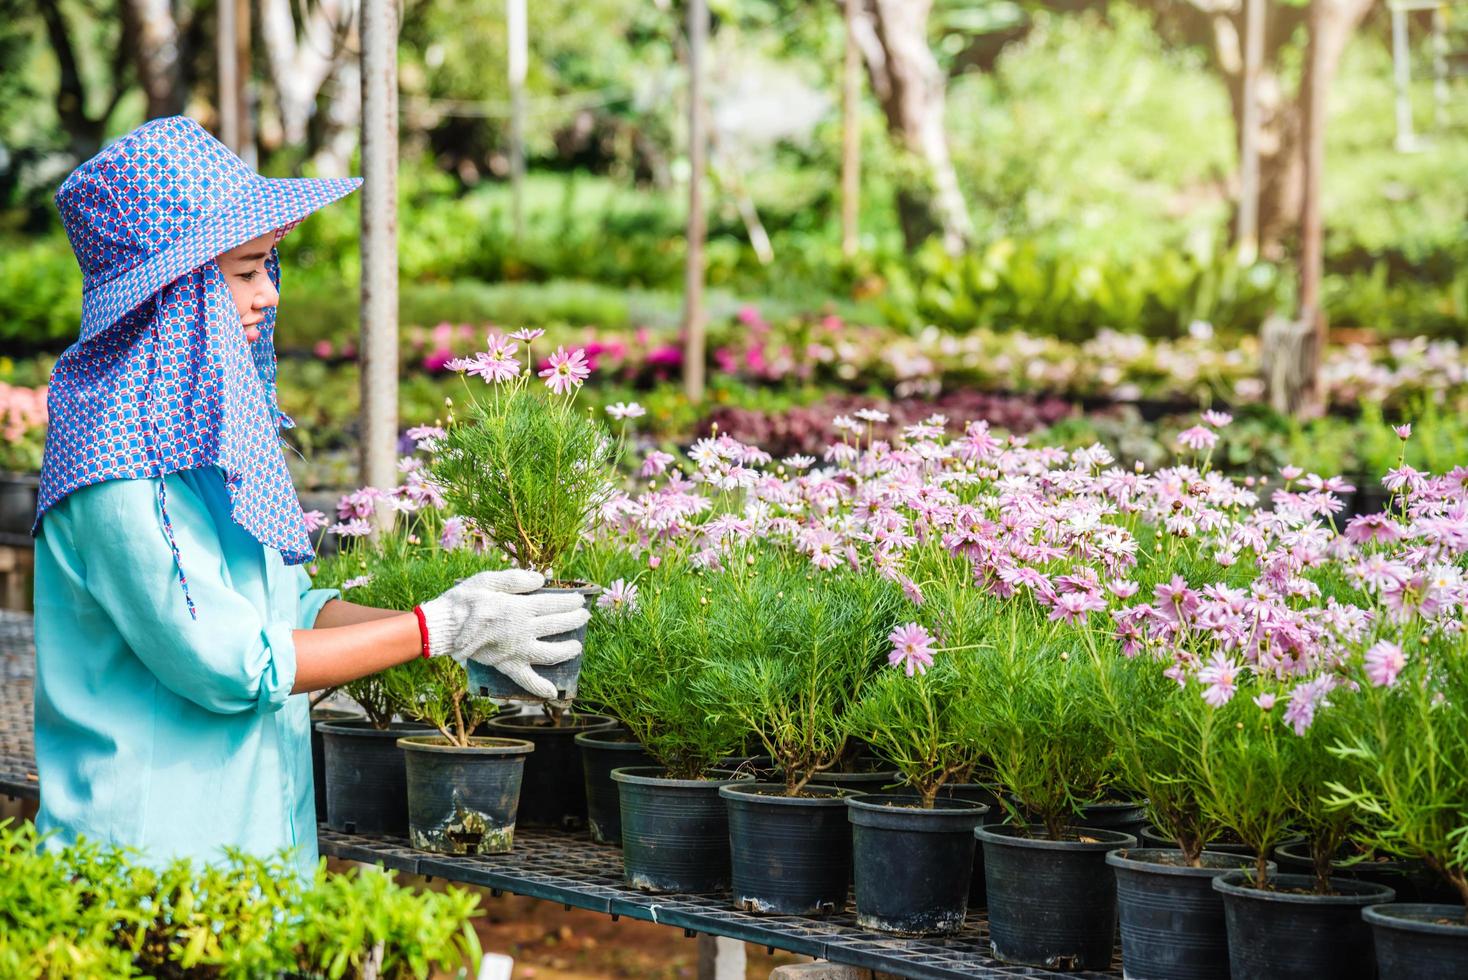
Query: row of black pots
[406, 780]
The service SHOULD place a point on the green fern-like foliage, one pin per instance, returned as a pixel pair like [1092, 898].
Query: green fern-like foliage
[528, 470]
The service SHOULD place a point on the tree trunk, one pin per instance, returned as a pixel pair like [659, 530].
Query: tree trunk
[298, 68]
[912, 90]
[155, 43]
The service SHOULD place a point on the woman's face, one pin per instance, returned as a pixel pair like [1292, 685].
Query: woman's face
[244, 269]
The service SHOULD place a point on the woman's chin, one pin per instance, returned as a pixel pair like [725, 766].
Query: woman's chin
[252, 334]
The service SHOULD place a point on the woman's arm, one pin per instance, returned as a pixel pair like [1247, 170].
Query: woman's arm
[352, 641]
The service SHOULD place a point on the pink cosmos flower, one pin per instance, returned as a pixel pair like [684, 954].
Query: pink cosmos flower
[1072, 607]
[655, 463]
[1384, 661]
[1217, 419]
[355, 528]
[1404, 432]
[426, 437]
[620, 597]
[1220, 680]
[494, 366]
[1197, 438]
[1265, 701]
[315, 521]
[1373, 527]
[527, 334]
[626, 410]
[355, 583]
[566, 371]
[912, 648]
[1304, 700]
[455, 531]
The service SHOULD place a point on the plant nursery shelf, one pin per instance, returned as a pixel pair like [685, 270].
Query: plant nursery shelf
[570, 869]
[566, 868]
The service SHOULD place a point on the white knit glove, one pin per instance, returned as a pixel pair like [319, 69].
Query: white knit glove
[489, 618]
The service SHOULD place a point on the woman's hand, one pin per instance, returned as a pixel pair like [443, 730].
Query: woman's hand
[492, 619]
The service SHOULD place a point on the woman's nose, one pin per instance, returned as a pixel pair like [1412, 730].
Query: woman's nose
[267, 297]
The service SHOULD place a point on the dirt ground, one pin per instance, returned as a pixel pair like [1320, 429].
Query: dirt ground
[549, 943]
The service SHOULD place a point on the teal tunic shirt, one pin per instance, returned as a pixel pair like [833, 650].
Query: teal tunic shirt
[171, 735]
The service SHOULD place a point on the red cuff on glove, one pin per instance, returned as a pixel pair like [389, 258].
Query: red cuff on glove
[422, 629]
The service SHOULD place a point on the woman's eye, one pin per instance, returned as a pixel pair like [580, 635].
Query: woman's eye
[249, 276]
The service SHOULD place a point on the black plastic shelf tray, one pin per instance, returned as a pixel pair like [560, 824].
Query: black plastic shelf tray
[570, 869]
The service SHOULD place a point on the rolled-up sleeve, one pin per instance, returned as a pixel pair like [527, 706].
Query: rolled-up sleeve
[311, 599]
[229, 659]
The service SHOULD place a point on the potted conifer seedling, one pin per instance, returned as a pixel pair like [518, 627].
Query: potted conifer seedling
[528, 471]
[452, 792]
[913, 850]
[1265, 768]
[809, 644]
[651, 656]
[1403, 746]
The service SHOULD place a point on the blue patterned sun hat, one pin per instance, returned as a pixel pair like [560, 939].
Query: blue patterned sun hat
[163, 200]
[162, 378]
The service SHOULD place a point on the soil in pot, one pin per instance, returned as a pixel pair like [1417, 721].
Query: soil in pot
[462, 799]
[318, 752]
[601, 752]
[1288, 932]
[912, 867]
[1419, 941]
[1413, 881]
[675, 832]
[553, 792]
[1052, 903]
[366, 777]
[490, 683]
[1172, 922]
[791, 855]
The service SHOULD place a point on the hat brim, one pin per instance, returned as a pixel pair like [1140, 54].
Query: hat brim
[271, 203]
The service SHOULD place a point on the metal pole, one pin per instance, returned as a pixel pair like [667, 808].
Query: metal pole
[519, 58]
[227, 56]
[1440, 65]
[1247, 231]
[851, 135]
[1312, 232]
[246, 113]
[693, 314]
[379, 344]
[1402, 75]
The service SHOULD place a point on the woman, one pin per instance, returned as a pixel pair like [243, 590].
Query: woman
[176, 631]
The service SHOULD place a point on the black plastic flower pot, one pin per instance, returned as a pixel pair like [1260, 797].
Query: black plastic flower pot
[366, 777]
[18, 493]
[1287, 932]
[1052, 903]
[912, 867]
[791, 855]
[756, 767]
[1419, 941]
[1172, 923]
[462, 799]
[974, 793]
[675, 832]
[1151, 837]
[553, 793]
[1127, 816]
[601, 752]
[1413, 881]
[490, 683]
[876, 780]
[318, 753]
